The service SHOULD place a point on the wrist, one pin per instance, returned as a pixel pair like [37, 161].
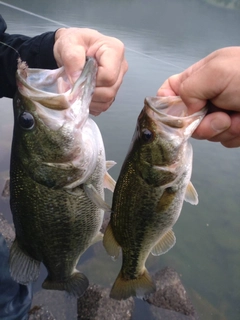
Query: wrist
[59, 32]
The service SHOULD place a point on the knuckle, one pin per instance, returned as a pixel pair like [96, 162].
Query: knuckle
[109, 79]
[109, 96]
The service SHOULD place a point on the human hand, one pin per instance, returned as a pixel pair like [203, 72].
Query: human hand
[71, 48]
[216, 78]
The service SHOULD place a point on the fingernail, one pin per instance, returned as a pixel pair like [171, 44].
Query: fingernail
[218, 125]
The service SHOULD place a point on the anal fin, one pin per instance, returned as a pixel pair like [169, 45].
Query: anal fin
[23, 268]
[109, 182]
[165, 243]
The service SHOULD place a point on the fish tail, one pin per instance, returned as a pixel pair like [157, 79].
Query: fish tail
[75, 285]
[140, 287]
[23, 268]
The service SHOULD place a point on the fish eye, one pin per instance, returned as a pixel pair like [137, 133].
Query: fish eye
[26, 120]
[147, 135]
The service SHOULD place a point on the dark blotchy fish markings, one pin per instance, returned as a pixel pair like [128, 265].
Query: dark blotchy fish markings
[148, 197]
[57, 176]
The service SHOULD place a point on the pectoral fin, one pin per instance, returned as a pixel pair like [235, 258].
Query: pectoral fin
[191, 195]
[95, 197]
[110, 243]
[166, 242]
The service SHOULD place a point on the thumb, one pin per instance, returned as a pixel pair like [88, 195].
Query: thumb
[73, 61]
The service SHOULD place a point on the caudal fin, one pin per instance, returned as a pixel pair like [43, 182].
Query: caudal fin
[75, 285]
[124, 288]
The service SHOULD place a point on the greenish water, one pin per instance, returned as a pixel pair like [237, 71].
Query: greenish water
[161, 38]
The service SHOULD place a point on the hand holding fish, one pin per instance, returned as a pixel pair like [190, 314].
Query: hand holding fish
[215, 78]
[71, 48]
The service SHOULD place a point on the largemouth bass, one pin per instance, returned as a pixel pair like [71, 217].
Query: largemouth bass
[58, 173]
[148, 197]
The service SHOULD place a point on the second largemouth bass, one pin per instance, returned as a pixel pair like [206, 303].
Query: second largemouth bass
[152, 185]
[57, 175]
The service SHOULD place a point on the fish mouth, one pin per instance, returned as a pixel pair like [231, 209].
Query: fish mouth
[52, 88]
[171, 106]
[56, 100]
[173, 112]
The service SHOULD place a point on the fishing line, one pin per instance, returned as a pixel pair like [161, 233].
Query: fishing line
[67, 26]
[33, 14]
[7, 45]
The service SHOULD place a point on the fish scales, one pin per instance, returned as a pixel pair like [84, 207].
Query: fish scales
[152, 185]
[58, 173]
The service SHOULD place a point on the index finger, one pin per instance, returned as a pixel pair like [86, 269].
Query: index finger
[110, 59]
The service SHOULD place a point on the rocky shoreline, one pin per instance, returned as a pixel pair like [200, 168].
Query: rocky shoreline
[170, 301]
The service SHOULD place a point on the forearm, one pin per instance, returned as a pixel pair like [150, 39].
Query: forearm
[36, 51]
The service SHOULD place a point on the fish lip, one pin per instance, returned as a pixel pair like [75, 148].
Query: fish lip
[176, 114]
[28, 85]
[159, 103]
[87, 79]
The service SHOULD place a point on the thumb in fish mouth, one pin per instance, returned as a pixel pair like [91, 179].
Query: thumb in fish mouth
[73, 61]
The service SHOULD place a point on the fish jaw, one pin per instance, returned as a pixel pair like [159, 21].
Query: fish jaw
[61, 120]
[162, 129]
[172, 112]
[51, 90]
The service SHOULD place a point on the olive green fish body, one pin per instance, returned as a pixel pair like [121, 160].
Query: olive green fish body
[148, 197]
[57, 155]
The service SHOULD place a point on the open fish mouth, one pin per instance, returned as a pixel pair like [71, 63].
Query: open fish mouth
[170, 106]
[54, 99]
[52, 88]
[173, 112]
